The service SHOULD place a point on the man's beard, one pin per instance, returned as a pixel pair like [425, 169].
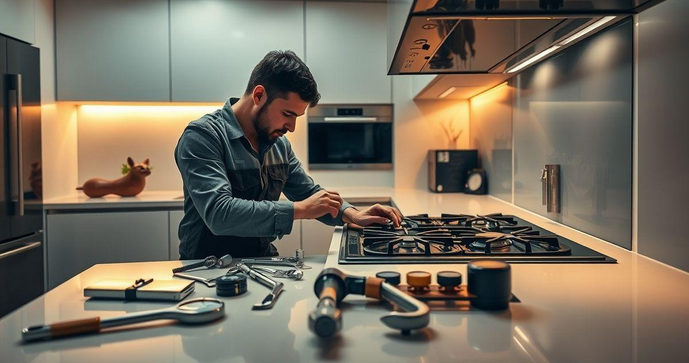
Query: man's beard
[262, 126]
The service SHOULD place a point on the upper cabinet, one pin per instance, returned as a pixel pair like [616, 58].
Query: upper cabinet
[346, 51]
[216, 44]
[17, 19]
[205, 50]
[113, 50]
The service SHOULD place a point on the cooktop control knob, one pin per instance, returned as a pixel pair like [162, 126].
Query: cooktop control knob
[449, 279]
[418, 280]
[391, 277]
[491, 283]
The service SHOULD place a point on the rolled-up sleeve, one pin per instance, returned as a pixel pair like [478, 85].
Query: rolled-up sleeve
[300, 186]
[199, 158]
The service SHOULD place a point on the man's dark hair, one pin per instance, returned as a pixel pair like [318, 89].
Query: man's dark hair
[281, 72]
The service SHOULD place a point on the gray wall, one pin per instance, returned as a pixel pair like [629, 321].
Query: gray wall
[575, 110]
[663, 163]
[491, 134]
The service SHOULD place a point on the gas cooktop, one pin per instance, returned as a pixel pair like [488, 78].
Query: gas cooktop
[456, 238]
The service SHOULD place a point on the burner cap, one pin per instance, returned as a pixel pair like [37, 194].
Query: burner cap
[391, 277]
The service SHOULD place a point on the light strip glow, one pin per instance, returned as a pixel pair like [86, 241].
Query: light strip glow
[496, 17]
[447, 92]
[490, 90]
[587, 30]
[533, 59]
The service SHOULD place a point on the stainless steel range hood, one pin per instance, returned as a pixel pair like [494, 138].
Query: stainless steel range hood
[494, 36]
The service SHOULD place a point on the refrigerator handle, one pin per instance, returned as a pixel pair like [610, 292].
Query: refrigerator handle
[15, 94]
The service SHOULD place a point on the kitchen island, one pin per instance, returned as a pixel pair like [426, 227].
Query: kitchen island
[633, 310]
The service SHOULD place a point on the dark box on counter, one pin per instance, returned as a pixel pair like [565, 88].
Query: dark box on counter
[447, 169]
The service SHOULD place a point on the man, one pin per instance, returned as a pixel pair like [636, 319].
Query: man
[235, 163]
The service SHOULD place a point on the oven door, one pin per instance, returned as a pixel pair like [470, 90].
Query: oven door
[356, 144]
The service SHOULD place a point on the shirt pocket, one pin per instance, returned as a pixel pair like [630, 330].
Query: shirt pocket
[245, 184]
[277, 177]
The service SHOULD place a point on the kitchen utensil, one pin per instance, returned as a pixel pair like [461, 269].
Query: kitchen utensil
[194, 311]
[297, 261]
[295, 274]
[550, 187]
[332, 285]
[208, 262]
[276, 287]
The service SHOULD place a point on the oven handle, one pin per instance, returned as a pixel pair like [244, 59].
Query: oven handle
[350, 119]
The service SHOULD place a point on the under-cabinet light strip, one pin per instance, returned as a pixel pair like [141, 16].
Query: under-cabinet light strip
[501, 85]
[569, 40]
[533, 59]
[588, 29]
[447, 92]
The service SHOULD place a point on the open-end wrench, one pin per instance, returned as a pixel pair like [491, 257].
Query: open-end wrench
[297, 261]
[276, 287]
[295, 273]
[208, 282]
[205, 281]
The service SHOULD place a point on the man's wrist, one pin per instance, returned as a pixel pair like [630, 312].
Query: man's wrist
[348, 214]
[298, 211]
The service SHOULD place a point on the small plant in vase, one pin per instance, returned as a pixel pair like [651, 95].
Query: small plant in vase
[452, 134]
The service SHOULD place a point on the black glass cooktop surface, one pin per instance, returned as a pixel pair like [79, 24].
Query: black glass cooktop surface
[456, 238]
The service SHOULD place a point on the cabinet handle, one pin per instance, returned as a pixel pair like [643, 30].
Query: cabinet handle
[21, 249]
[15, 94]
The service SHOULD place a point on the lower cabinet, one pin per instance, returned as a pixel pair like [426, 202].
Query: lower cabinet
[77, 241]
[315, 237]
[289, 243]
[286, 246]
[173, 223]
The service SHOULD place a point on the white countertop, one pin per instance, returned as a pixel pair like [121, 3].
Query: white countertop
[630, 311]
[79, 200]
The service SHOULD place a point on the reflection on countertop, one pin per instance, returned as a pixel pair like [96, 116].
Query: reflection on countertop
[633, 310]
[630, 311]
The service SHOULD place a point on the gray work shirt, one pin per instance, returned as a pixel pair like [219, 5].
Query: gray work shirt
[231, 192]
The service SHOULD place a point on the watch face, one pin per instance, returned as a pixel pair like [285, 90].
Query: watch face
[474, 182]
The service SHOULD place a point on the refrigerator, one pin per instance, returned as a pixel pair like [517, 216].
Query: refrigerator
[21, 179]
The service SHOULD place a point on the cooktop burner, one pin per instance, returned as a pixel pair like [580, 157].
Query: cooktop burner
[453, 238]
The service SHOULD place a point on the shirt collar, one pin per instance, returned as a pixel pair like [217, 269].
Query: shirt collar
[234, 129]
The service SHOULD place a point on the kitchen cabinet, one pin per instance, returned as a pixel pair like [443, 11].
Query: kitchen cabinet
[77, 241]
[174, 219]
[315, 237]
[17, 19]
[289, 243]
[112, 50]
[419, 82]
[216, 44]
[286, 246]
[346, 51]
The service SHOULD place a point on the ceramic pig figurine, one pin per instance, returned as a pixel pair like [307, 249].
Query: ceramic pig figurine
[127, 186]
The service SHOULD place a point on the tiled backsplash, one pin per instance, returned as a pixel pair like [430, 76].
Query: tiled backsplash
[574, 110]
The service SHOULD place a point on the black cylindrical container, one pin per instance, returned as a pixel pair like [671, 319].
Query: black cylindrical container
[231, 285]
[491, 283]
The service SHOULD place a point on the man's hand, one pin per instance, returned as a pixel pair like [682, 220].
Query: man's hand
[321, 203]
[376, 214]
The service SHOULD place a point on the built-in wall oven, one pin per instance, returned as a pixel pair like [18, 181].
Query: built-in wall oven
[350, 137]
